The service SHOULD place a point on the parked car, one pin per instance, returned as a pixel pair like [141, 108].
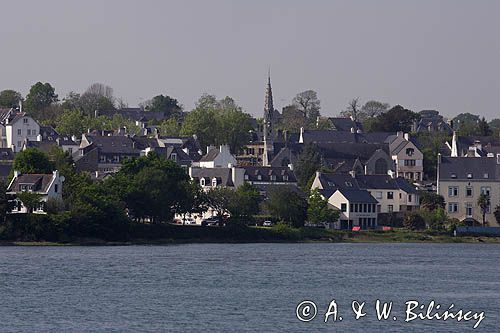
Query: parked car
[189, 221]
[267, 224]
[209, 222]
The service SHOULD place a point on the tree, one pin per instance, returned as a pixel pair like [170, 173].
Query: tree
[292, 119]
[284, 203]
[484, 203]
[165, 104]
[219, 199]
[494, 124]
[467, 124]
[430, 145]
[484, 128]
[32, 160]
[373, 109]
[497, 214]
[352, 110]
[414, 221]
[431, 201]
[217, 122]
[170, 127]
[396, 119]
[308, 162]
[97, 97]
[318, 211]
[40, 96]
[150, 187]
[6, 203]
[30, 200]
[193, 200]
[246, 203]
[10, 99]
[308, 103]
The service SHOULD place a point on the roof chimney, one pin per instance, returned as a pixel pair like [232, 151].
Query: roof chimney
[352, 130]
[17, 173]
[399, 133]
[301, 138]
[352, 173]
[407, 136]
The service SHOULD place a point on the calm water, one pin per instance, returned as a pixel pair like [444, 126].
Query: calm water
[241, 287]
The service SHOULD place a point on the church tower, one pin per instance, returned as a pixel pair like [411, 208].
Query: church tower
[268, 124]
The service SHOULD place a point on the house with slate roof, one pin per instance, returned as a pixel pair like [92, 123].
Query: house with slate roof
[461, 180]
[15, 128]
[48, 186]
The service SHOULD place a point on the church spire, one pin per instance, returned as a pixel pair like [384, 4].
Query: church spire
[268, 123]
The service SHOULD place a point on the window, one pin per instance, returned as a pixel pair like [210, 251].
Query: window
[485, 190]
[19, 131]
[410, 162]
[486, 175]
[70, 151]
[261, 151]
[202, 181]
[469, 191]
[56, 188]
[378, 195]
[214, 182]
[379, 208]
[409, 197]
[173, 156]
[453, 191]
[116, 159]
[246, 177]
[102, 159]
[25, 120]
[468, 209]
[343, 207]
[365, 208]
[453, 175]
[469, 175]
[273, 178]
[259, 177]
[29, 132]
[33, 132]
[410, 151]
[390, 195]
[285, 178]
[453, 207]
[390, 208]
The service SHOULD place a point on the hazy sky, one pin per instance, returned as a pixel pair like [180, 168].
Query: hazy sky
[442, 55]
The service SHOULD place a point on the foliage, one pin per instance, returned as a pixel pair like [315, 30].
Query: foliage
[309, 105]
[245, 203]
[308, 162]
[318, 211]
[32, 160]
[373, 109]
[472, 125]
[431, 201]
[217, 122]
[150, 187]
[414, 221]
[484, 203]
[170, 127]
[352, 110]
[292, 119]
[494, 125]
[6, 203]
[10, 98]
[170, 106]
[40, 96]
[285, 204]
[430, 144]
[30, 200]
[97, 97]
[219, 199]
[396, 119]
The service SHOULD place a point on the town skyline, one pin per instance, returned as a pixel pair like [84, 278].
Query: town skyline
[416, 56]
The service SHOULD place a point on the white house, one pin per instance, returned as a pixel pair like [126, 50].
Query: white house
[407, 157]
[17, 127]
[217, 157]
[48, 186]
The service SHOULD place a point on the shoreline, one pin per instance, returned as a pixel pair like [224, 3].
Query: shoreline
[316, 236]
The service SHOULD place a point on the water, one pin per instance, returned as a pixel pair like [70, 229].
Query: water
[242, 287]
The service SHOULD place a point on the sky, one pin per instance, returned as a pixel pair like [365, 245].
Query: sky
[434, 54]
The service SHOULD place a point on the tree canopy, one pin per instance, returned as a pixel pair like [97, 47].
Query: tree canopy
[10, 98]
[40, 96]
[285, 204]
[32, 160]
[308, 103]
[396, 119]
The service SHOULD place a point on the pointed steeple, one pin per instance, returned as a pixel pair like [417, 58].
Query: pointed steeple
[268, 123]
[268, 103]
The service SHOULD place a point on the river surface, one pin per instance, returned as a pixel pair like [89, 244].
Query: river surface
[244, 287]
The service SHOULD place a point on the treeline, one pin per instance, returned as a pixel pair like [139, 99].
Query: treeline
[147, 191]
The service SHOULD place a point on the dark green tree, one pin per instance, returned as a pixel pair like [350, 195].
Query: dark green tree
[284, 203]
[165, 104]
[40, 96]
[484, 203]
[483, 128]
[414, 221]
[308, 162]
[10, 98]
[32, 160]
[30, 200]
[219, 199]
[396, 119]
[308, 103]
[431, 201]
[246, 203]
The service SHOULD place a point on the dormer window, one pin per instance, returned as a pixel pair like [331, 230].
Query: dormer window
[453, 175]
[273, 178]
[259, 177]
[410, 151]
[469, 175]
[25, 120]
[173, 156]
[486, 176]
[285, 178]
[246, 176]
[202, 181]
[214, 182]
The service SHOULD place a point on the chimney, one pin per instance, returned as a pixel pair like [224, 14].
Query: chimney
[55, 173]
[407, 136]
[73, 138]
[399, 133]
[190, 172]
[290, 166]
[97, 174]
[17, 173]
[352, 130]
[301, 138]
[454, 147]
[352, 173]
[210, 147]
[96, 113]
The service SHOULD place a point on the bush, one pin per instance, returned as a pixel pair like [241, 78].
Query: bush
[414, 221]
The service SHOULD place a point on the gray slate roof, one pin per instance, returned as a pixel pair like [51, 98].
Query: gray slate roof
[358, 196]
[458, 168]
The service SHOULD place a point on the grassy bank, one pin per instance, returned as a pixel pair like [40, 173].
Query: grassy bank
[169, 234]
